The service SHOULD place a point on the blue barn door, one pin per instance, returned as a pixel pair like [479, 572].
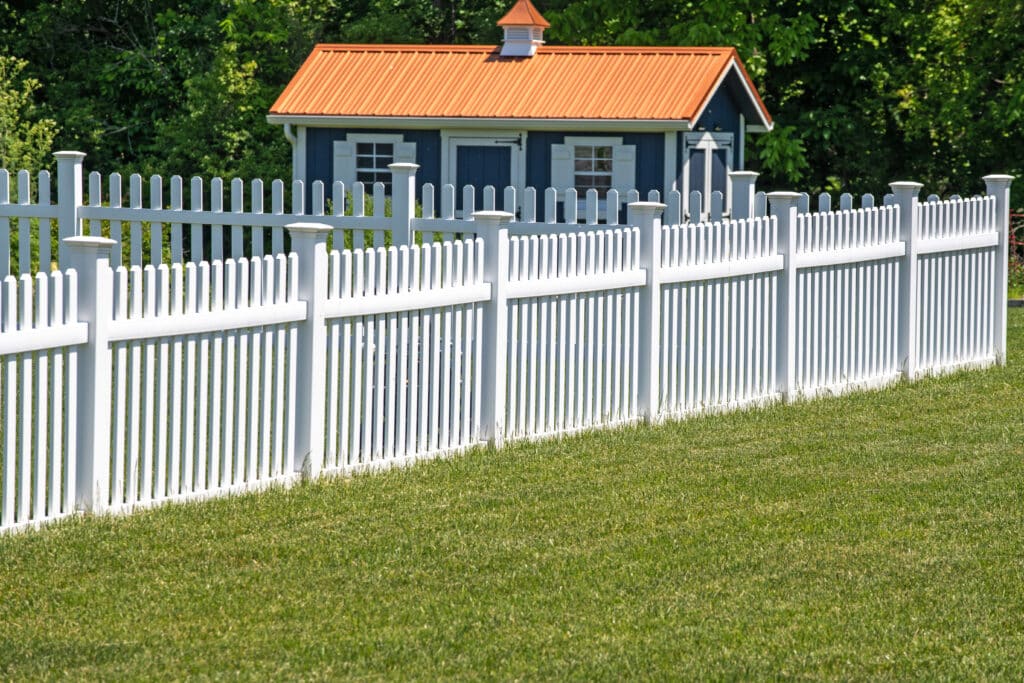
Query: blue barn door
[480, 166]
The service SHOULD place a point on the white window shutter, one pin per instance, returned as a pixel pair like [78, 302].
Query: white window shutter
[562, 176]
[405, 153]
[624, 168]
[345, 162]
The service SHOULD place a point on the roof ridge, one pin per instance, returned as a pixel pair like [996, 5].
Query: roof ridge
[551, 49]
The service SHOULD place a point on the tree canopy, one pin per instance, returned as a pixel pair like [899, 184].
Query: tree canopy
[862, 91]
[25, 136]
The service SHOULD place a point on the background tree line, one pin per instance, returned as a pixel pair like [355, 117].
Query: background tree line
[862, 91]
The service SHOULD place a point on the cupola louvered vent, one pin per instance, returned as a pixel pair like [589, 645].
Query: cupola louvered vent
[524, 30]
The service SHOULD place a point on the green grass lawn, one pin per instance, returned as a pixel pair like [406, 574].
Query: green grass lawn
[878, 535]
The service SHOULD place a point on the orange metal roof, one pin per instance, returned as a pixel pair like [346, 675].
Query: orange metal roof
[523, 13]
[469, 81]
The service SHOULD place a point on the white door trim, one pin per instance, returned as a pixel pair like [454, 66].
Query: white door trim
[515, 140]
[707, 142]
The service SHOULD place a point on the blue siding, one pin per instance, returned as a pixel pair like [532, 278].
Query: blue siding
[538, 158]
[650, 157]
[650, 161]
[723, 114]
[320, 153]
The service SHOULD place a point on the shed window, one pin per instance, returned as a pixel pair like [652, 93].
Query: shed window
[593, 163]
[372, 159]
[593, 168]
[364, 158]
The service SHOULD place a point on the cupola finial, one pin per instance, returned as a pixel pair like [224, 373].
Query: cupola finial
[524, 30]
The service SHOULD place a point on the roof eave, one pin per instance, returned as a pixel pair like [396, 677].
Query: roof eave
[479, 123]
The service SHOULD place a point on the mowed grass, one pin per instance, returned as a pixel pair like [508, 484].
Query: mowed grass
[874, 536]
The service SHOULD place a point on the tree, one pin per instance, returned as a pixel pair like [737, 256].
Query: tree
[862, 91]
[26, 135]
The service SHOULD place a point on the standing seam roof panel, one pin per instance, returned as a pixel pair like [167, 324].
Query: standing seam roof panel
[474, 81]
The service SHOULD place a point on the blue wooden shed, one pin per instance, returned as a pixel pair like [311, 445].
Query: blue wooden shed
[523, 114]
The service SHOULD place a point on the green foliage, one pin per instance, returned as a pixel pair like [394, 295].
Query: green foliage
[862, 92]
[782, 151]
[1015, 280]
[26, 135]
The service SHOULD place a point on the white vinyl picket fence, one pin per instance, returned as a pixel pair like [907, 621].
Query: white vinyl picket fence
[128, 386]
[158, 220]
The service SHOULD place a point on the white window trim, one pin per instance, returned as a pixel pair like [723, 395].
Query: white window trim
[592, 140]
[741, 144]
[595, 141]
[338, 173]
[299, 155]
[707, 141]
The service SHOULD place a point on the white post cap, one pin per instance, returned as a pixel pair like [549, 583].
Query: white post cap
[88, 242]
[493, 217]
[74, 156]
[403, 166]
[308, 228]
[783, 200]
[905, 186]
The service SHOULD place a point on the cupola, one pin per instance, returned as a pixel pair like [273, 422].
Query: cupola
[524, 30]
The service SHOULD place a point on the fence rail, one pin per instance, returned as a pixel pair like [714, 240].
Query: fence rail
[127, 386]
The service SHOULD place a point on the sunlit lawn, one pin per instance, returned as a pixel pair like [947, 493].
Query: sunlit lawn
[878, 535]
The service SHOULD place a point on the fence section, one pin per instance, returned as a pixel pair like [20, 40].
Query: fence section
[572, 321]
[167, 222]
[958, 247]
[39, 334]
[128, 386]
[27, 218]
[175, 220]
[848, 265]
[719, 314]
[203, 382]
[403, 352]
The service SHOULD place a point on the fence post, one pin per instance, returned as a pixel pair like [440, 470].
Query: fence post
[69, 199]
[309, 242]
[999, 187]
[647, 217]
[492, 227]
[403, 202]
[743, 187]
[906, 193]
[784, 208]
[90, 258]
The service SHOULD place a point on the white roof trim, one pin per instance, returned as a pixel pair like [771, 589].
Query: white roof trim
[732, 66]
[425, 123]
